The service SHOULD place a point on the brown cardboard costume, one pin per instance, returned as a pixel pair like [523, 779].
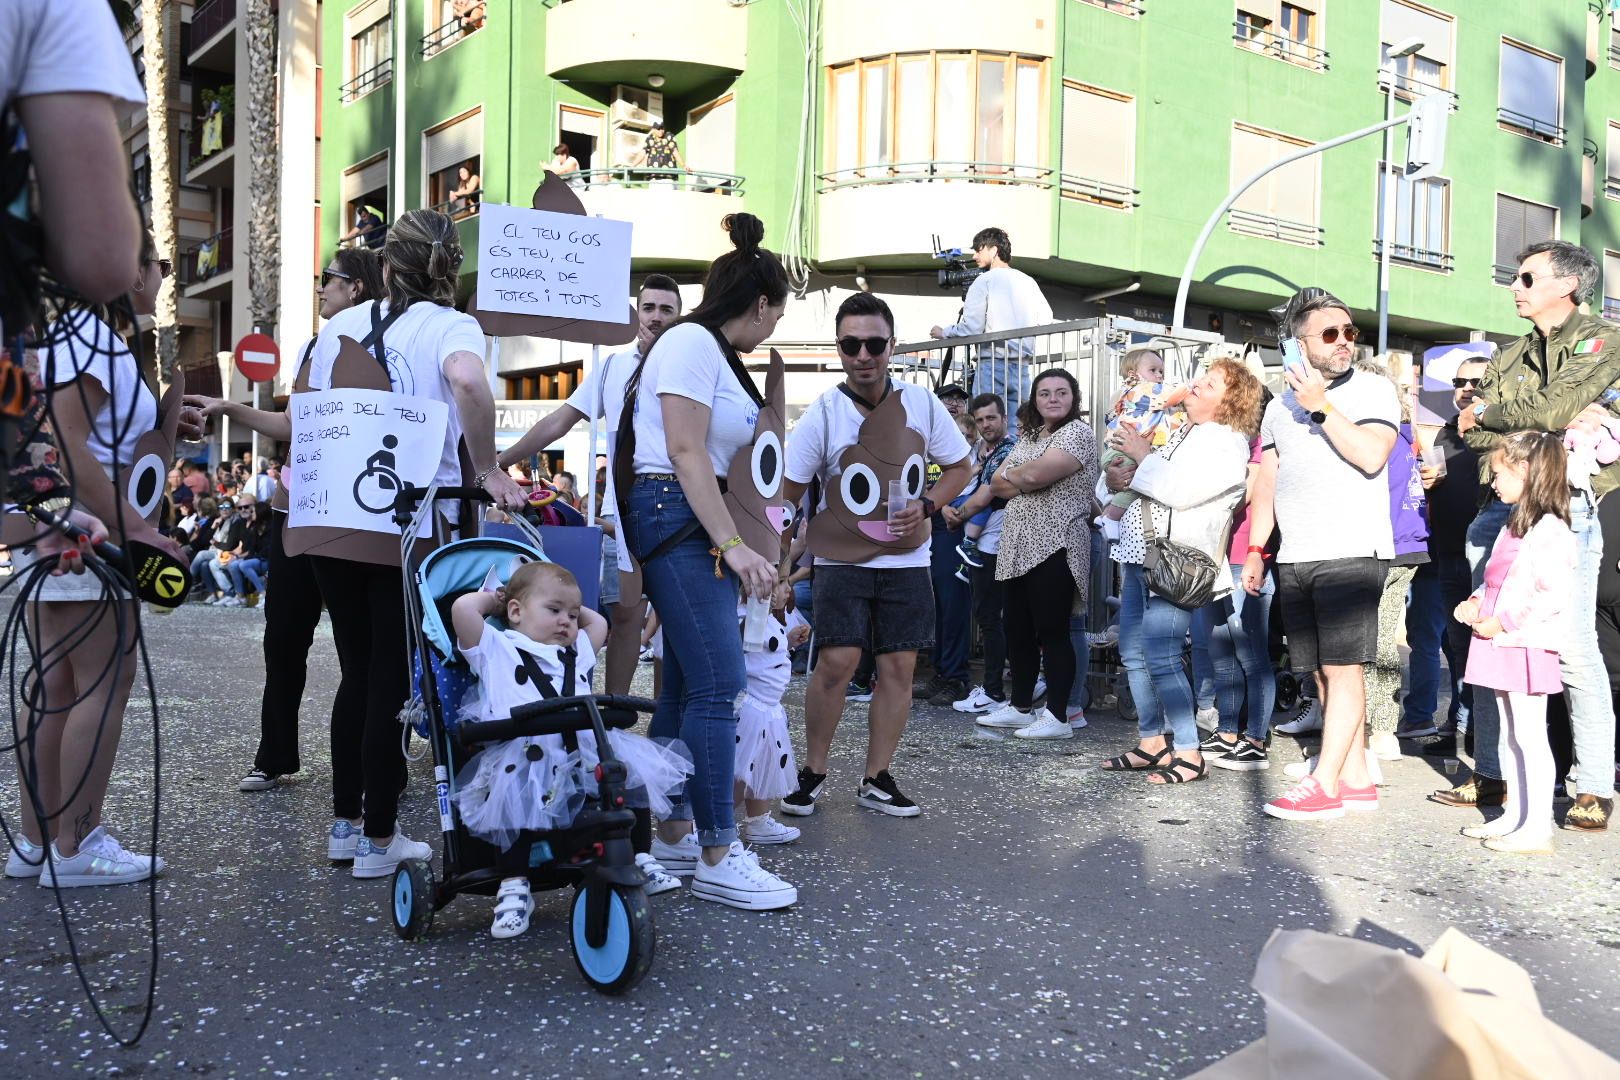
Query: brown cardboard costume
[754, 482]
[854, 525]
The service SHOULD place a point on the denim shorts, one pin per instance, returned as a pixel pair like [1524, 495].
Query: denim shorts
[1330, 611]
[883, 610]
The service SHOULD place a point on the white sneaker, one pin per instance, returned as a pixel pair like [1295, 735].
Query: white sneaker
[1385, 746]
[231, 601]
[739, 881]
[1207, 719]
[977, 701]
[371, 861]
[514, 903]
[679, 858]
[1307, 718]
[1040, 689]
[1045, 726]
[1300, 769]
[1105, 640]
[767, 830]
[1077, 718]
[659, 880]
[101, 860]
[1005, 717]
[341, 840]
[27, 859]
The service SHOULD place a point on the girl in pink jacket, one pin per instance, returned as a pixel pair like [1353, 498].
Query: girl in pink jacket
[1521, 619]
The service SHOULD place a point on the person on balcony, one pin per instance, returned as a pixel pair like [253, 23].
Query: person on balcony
[464, 199]
[659, 152]
[470, 13]
[563, 163]
[368, 229]
[1000, 299]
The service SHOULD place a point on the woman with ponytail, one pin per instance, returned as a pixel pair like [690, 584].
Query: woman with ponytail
[694, 406]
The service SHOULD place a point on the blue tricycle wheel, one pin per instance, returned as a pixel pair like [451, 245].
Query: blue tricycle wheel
[626, 951]
[411, 899]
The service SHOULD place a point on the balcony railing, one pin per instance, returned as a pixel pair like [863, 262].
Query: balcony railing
[1274, 228]
[1545, 130]
[451, 31]
[1259, 39]
[678, 179]
[208, 259]
[211, 135]
[1099, 191]
[1408, 88]
[1504, 273]
[979, 172]
[367, 81]
[1611, 308]
[460, 207]
[1416, 256]
[209, 18]
[1133, 8]
[1611, 186]
[1614, 53]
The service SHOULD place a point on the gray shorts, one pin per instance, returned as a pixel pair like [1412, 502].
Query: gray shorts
[1330, 611]
[885, 611]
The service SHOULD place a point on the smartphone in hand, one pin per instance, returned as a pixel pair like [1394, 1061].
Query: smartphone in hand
[1293, 357]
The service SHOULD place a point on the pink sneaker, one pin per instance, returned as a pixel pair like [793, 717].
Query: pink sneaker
[1305, 801]
[1358, 800]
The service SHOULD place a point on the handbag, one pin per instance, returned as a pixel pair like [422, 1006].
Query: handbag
[1179, 573]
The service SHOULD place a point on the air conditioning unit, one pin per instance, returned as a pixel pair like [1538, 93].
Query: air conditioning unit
[636, 107]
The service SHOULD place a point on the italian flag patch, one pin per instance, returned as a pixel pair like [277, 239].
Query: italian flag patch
[1589, 346]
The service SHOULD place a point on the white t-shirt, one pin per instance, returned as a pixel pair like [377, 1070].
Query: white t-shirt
[600, 395]
[1002, 299]
[687, 362]
[81, 346]
[417, 345]
[832, 424]
[496, 663]
[64, 46]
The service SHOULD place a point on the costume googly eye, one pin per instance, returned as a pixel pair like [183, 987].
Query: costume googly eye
[790, 515]
[766, 463]
[914, 472]
[145, 487]
[860, 489]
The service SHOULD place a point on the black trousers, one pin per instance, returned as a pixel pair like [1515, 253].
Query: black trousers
[1608, 602]
[368, 625]
[1037, 620]
[989, 595]
[291, 614]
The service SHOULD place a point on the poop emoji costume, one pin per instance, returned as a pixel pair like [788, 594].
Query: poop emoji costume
[754, 482]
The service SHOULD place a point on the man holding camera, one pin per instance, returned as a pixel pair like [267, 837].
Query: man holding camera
[1000, 299]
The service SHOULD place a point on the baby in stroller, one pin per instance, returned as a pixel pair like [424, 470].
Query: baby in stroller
[549, 643]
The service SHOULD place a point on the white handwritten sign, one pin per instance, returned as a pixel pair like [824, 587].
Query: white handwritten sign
[535, 262]
[353, 451]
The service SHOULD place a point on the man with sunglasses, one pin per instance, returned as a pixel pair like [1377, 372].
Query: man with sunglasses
[1325, 445]
[1567, 364]
[884, 603]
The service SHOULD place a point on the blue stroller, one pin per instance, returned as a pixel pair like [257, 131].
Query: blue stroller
[610, 922]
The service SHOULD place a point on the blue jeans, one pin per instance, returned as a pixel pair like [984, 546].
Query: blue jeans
[1203, 668]
[221, 576]
[1079, 697]
[1437, 588]
[1240, 653]
[1483, 720]
[245, 574]
[953, 606]
[1586, 680]
[1005, 376]
[703, 657]
[1152, 633]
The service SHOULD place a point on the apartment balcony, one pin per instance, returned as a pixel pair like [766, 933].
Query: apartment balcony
[207, 271]
[211, 152]
[890, 212]
[676, 212]
[626, 41]
[213, 35]
[453, 31]
[1421, 258]
[1275, 228]
[378, 75]
[1279, 46]
[855, 29]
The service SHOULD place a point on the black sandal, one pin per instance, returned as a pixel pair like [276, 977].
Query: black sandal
[1125, 763]
[1171, 776]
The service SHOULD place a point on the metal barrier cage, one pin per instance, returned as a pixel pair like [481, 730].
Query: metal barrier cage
[1092, 350]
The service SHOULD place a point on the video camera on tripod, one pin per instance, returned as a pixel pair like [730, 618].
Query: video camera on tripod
[959, 270]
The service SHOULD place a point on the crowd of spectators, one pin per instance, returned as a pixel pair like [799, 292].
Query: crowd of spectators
[221, 520]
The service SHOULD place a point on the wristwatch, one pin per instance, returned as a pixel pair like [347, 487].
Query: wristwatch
[1320, 416]
[929, 509]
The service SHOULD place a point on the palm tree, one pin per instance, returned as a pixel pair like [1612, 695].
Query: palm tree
[156, 16]
[264, 172]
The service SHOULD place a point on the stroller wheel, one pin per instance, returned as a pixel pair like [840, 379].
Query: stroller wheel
[624, 949]
[411, 899]
[1287, 691]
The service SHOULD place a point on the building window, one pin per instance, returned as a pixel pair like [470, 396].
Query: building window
[1614, 45]
[942, 116]
[1519, 223]
[1530, 96]
[369, 62]
[1287, 31]
[1099, 146]
[449, 21]
[1129, 8]
[1611, 285]
[1611, 159]
[1422, 220]
[1427, 70]
[1283, 204]
[452, 156]
[365, 203]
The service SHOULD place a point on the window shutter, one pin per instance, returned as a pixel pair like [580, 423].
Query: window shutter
[1612, 154]
[1540, 223]
[1529, 85]
[1402, 21]
[454, 143]
[1270, 10]
[1509, 229]
[363, 178]
[364, 16]
[1099, 136]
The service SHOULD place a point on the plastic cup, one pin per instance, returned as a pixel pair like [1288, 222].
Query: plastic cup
[1435, 458]
[898, 500]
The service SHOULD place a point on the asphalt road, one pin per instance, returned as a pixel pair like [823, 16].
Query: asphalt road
[1039, 919]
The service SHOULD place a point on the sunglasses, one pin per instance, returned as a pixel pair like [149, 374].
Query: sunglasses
[1528, 280]
[165, 267]
[328, 275]
[851, 346]
[1332, 334]
[1459, 384]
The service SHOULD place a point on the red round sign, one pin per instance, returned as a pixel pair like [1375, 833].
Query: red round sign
[257, 357]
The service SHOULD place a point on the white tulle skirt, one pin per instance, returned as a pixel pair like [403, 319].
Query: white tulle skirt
[654, 771]
[765, 762]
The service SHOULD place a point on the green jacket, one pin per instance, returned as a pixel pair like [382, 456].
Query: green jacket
[1542, 383]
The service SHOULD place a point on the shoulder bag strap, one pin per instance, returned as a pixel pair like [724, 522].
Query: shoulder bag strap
[379, 327]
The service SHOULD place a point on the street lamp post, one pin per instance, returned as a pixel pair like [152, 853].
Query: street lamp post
[1386, 216]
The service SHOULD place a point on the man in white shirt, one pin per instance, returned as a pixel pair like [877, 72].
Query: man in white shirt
[882, 601]
[1000, 299]
[600, 395]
